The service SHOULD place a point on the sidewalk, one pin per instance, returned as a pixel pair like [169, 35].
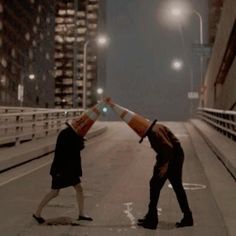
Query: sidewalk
[207, 144]
[223, 147]
[20, 154]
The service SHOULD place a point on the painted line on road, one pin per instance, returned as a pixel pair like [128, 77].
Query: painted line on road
[18, 176]
[25, 173]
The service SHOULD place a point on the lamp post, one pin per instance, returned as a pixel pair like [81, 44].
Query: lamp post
[100, 41]
[201, 57]
[178, 12]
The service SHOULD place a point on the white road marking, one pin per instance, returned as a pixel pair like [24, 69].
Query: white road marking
[191, 186]
[129, 214]
[22, 174]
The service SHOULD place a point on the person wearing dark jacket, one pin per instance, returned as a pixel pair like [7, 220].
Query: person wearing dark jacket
[65, 171]
[169, 163]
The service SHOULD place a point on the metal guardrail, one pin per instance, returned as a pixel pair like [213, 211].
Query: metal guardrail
[18, 127]
[4, 109]
[222, 120]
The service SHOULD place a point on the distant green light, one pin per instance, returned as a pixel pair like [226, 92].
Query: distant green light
[104, 109]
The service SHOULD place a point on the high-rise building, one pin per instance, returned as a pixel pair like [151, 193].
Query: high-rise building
[77, 23]
[27, 52]
[42, 51]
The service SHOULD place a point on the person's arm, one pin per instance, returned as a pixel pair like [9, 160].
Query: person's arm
[166, 153]
[172, 137]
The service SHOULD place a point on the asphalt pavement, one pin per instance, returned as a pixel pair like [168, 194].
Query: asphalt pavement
[117, 170]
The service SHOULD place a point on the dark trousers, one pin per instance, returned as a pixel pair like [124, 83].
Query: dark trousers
[174, 175]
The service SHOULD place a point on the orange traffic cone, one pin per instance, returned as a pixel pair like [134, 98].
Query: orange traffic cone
[138, 123]
[83, 123]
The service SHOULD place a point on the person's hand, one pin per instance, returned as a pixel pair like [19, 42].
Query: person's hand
[107, 100]
[163, 170]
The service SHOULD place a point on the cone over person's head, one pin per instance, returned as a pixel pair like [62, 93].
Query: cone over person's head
[138, 123]
[83, 123]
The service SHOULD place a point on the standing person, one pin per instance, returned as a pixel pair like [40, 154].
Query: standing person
[65, 171]
[66, 167]
[169, 164]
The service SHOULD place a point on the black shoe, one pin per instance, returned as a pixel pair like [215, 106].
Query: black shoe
[186, 221]
[149, 224]
[141, 220]
[40, 220]
[85, 218]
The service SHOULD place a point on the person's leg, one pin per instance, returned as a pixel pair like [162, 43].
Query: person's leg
[156, 183]
[175, 178]
[47, 198]
[80, 202]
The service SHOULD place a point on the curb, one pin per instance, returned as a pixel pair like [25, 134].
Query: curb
[27, 152]
[223, 147]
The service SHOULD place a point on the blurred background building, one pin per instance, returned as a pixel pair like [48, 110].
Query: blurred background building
[42, 46]
[41, 52]
[27, 53]
[76, 23]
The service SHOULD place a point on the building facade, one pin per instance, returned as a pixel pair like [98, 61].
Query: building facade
[27, 53]
[219, 89]
[42, 51]
[77, 24]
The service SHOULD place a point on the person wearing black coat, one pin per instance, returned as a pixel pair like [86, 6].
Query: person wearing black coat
[66, 171]
[169, 164]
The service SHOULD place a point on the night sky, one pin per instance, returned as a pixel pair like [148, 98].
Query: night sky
[142, 45]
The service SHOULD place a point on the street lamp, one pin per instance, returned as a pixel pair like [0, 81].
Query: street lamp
[100, 41]
[99, 91]
[178, 12]
[31, 76]
[177, 64]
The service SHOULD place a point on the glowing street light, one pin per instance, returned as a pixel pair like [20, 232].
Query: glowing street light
[100, 91]
[177, 64]
[102, 40]
[176, 12]
[31, 76]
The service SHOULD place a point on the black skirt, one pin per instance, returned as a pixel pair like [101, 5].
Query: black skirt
[59, 182]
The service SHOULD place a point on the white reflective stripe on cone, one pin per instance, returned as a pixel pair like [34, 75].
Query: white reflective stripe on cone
[92, 115]
[128, 117]
[94, 112]
[124, 114]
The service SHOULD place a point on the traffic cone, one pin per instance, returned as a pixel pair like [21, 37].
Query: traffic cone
[138, 123]
[83, 123]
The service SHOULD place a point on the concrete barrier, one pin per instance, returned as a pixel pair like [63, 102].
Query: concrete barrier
[17, 155]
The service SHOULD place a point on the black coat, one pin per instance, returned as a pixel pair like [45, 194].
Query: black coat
[165, 144]
[67, 159]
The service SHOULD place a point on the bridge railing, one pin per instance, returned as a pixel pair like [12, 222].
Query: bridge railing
[222, 120]
[18, 127]
[11, 109]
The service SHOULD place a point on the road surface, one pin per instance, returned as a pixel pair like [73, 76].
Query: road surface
[116, 177]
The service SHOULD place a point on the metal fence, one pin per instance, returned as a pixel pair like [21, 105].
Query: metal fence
[17, 126]
[223, 121]
[4, 109]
